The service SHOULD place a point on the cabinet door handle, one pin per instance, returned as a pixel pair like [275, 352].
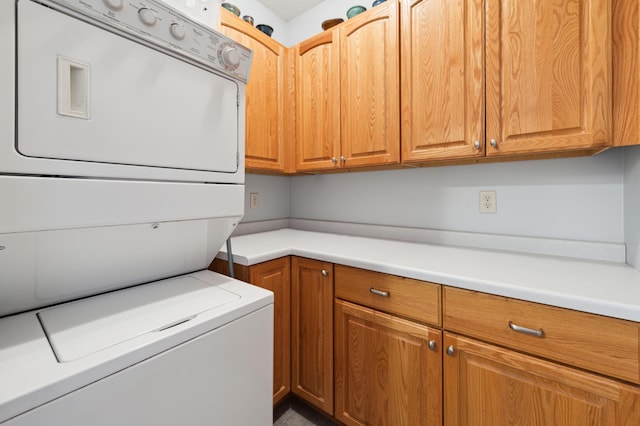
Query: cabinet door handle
[476, 144]
[379, 292]
[493, 143]
[530, 331]
[342, 158]
[432, 345]
[334, 160]
[451, 350]
[325, 272]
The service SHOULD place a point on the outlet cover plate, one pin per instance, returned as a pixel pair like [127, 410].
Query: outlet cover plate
[488, 202]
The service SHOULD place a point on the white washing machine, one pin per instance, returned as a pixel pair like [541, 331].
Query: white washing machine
[121, 176]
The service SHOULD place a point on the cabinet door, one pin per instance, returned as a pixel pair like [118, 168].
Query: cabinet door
[548, 75]
[385, 372]
[488, 385]
[312, 332]
[275, 276]
[626, 72]
[265, 95]
[318, 102]
[370, 91]
[442, 79]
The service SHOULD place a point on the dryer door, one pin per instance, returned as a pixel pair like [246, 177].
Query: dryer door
[86, 94]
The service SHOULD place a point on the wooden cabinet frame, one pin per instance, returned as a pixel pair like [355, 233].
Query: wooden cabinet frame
[312, 332]
[348, 85]
[504, 78]
[269, 97]
[480, 377]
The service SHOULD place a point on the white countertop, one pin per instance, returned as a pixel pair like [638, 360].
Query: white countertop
[611, 289]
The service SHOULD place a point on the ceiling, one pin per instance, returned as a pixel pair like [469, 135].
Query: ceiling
[287, 9]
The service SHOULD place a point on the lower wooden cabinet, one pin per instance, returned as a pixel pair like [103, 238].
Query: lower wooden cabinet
[371, 345]
[312, 332]
[388, 370]
[489, 385]
[275, 276]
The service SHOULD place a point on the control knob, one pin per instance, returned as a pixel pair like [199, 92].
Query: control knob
[114, 4]
[229, 57]
[147, 16]
[177, 31]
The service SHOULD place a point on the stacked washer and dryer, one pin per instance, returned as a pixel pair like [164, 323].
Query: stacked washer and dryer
[121, 176]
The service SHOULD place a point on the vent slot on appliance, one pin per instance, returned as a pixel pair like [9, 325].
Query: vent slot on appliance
[74, 88]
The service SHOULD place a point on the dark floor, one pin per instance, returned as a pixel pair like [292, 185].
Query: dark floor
[293, 412]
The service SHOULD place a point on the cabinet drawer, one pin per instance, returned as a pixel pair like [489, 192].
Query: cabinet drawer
[405, 297]
[593, 342]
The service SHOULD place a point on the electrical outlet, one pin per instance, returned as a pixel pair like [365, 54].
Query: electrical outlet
[254, 200]
[488, 202]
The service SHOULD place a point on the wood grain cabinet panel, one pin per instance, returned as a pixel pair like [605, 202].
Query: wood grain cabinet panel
[318, 102]
[266, 131]
[275, 275]
[442, 79]
[312, 332]
[413, 299]
[626, 72]
[386, 373]
[606, 345]
[347, 93]
[486, 386]
[548, 75]
[502, 77]
[369, 89]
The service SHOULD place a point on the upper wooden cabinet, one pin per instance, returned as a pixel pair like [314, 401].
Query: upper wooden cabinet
[348, 93]
[626, 72]
[547, 77]
[318, 102]
[268, 97]
[370, 87]
[442, 79]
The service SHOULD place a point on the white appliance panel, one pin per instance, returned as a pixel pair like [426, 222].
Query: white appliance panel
[83, 327]
[43, 268]
[36, 204]
[167, 113]
[35, 377]
[207, 12]
[122, 163]
[206, 381]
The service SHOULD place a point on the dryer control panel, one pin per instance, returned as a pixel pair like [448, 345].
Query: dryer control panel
[160, 25]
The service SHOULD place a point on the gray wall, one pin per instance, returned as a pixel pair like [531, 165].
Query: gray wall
[578, 199]
[632, 204]
[273, 197]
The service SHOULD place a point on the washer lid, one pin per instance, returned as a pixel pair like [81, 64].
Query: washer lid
[80, 328]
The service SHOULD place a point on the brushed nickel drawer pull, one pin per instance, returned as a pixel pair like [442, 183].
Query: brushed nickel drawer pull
[531, 332]
[379, 292]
